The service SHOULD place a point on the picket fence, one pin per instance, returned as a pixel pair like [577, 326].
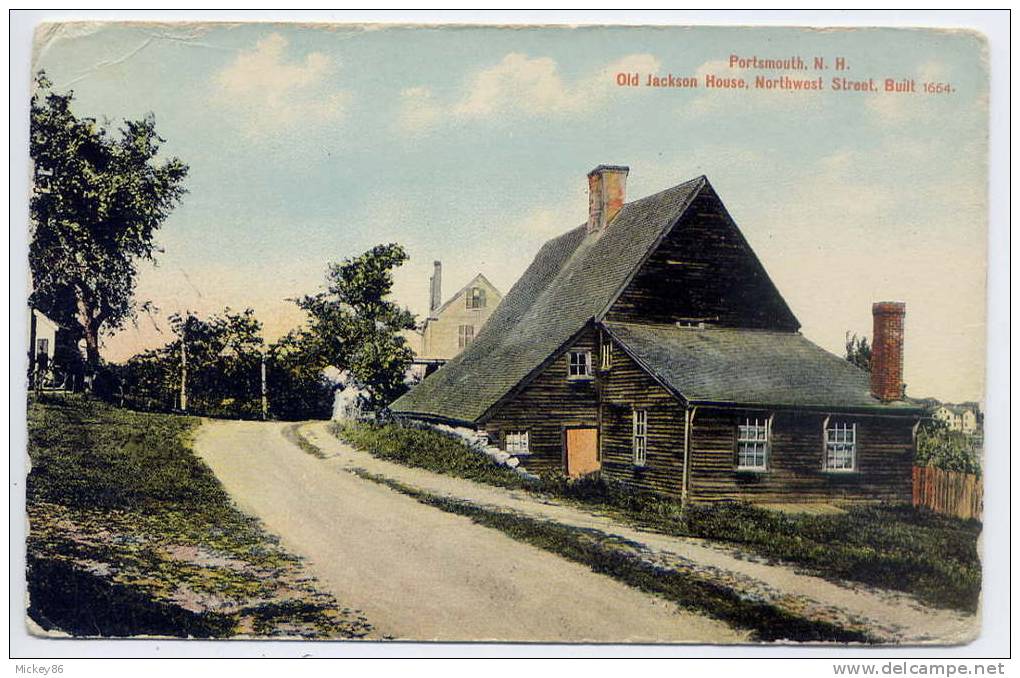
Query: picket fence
[950, 493]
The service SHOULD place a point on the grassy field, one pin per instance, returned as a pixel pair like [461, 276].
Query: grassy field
[131, 534]
[891, 546]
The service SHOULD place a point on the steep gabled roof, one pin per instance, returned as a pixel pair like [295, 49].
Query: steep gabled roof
[748, 367]
[474, 281]
[573, 279]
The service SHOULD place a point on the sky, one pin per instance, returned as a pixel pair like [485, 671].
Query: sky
[308, 144]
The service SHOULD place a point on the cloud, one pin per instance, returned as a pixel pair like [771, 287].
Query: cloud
[270, 93]
[518, 86]
[418, 111]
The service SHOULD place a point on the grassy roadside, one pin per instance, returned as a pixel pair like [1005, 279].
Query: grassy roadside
[890, 546]
[131, 534]
[617, 558]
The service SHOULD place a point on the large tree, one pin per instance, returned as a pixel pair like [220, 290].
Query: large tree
[356, 328]
[98, 198]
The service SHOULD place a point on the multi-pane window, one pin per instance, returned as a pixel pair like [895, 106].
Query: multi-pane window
[753, 443]
[517, 442]
[43, 346]
[476, 298]
[465, 335]
[607, 355]
[640, 437]
[579, 366]
[840, 446]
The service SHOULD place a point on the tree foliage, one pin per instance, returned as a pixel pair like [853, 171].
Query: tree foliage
[858, 351]
[298, 388]
[948, 450]
[98, 198]
[223, 355]
[355, 328]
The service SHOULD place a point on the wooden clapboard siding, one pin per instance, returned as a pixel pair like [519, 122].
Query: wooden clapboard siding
[884, 460]
[704, 269]
[625, 386]
[547, 406]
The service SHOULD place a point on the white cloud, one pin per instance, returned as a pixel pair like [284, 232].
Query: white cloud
[270, 93]
[419, 111]
[518, 85]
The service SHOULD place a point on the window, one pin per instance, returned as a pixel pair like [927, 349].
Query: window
[607, 355]
[476, 298]
[465, 335]
[840, 446]
[579, 366]
[753, 443]
[517, 442]
[640, 437]
[43, 346]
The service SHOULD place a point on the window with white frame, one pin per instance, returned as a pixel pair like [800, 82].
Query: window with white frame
[753, 438]
[840, 446]
[579, 365]
[476, 298]
[606, 357]
[465, 335]
[640, 437]
[517, 442]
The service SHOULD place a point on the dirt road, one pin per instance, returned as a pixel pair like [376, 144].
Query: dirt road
[420, 573]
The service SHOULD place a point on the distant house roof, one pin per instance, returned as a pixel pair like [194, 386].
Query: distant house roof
[474, 282]
[571, 280]
[748, 367]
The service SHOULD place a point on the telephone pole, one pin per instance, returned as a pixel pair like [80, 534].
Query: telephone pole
[265, 391]
[184, 375]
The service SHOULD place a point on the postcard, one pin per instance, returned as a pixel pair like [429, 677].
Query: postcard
[545, 334]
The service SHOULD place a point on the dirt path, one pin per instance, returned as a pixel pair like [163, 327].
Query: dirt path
[894, 617]
[423, 574]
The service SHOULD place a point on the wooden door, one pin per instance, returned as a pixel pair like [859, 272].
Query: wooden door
[582, 455]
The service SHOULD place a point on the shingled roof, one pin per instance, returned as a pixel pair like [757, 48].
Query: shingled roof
[748, 367]
[572, 280]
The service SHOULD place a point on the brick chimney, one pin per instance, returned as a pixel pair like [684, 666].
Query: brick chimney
[887, 350]
[436, 287]
[607, 191]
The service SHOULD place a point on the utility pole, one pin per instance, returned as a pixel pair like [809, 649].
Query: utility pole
[184, 374]
[265, 391]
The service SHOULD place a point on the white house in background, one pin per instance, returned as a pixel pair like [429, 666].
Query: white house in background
[963, 418]
[453, 325]
[42, 337]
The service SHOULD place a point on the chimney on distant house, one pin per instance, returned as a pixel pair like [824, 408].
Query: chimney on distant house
[887, 350]
[607, 191]
[436, 287]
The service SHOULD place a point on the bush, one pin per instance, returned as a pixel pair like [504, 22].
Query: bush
[939, 447]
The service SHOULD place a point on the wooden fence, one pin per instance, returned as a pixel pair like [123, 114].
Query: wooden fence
[951, 493]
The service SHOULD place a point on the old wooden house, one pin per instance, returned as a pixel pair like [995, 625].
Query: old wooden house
[649, 344]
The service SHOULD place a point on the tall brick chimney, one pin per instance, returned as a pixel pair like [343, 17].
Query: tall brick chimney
[436, 287]
[887, 350]
[607, 191]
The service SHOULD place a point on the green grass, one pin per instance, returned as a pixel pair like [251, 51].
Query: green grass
[130, 533]
[427, 449]
[692, 590]
[890, 546]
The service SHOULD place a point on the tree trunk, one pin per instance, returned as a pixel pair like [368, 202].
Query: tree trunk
[90, 322]
[92, 347]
